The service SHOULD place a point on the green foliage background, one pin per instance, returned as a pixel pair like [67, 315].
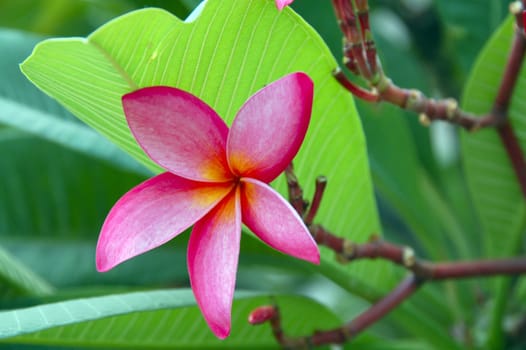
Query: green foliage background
[60, 178]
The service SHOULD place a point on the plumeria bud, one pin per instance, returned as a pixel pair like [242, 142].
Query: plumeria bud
[280, 4]
[424, 119]
[408, 257]
[451, 107]
[262, 314]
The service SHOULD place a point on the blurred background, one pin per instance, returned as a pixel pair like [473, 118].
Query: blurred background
[51, 213]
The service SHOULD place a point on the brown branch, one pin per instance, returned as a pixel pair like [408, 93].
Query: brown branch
[341, 334]
[383, 89]
[361, 58]
[358, 43]
[511, 74]
[502, 101]
[515, 154]
[413, 100]
[355, 89]
[424, 270]
[295, 191]
[360, 53]
[420, 271]
[431, 109]
[321, 183]
[480, 268]
[354, 46]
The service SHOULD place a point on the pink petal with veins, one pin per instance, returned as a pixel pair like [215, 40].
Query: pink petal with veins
[153, 213]
[270, 127]
[213, 252]
[280, 4]
[275, 222]
[179, 132]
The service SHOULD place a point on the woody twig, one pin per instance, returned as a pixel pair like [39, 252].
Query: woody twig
[419, 272]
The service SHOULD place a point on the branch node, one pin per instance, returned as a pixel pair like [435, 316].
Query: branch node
[408, 257]
[476, 127]
[451, 108]
[262, 314]
[348, 248]
[321, 183]
[414, 100]
[382, 84]
[424, 119]
[341, 259]
[515, 8]
[348, 333]
[374, 238]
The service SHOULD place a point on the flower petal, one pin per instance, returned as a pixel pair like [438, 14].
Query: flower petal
[151, 214]
[280, 4]
[213, 252]
[179, 132]
[275, 222]
[270, 127]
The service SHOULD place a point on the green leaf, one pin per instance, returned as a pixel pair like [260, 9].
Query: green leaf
[468, 25]
[66, 133]
[231, 50]
[24, 107]
[64, 17]
[73, 264]
[48, 191]
[399, 177]
[491, 178]
[18, 280]
[368, 342]
[492, 181]
[157, 319]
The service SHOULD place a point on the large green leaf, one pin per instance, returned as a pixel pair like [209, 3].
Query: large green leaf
[157, 319]
[49, 191]
[64, 17]
[370, 343]
[490, 175]
[399, 177]
[66, 133]
[24, 107]
[73, 265]
[492, 181]
[468, 25]
[231, 50]
[16, 279]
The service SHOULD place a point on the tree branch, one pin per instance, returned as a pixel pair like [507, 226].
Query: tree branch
[420, 271]
[337, 335]
[360, 58]
[505, 92]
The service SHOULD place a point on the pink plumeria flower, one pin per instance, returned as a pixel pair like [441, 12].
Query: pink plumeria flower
[282, 3]
[216, 179]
